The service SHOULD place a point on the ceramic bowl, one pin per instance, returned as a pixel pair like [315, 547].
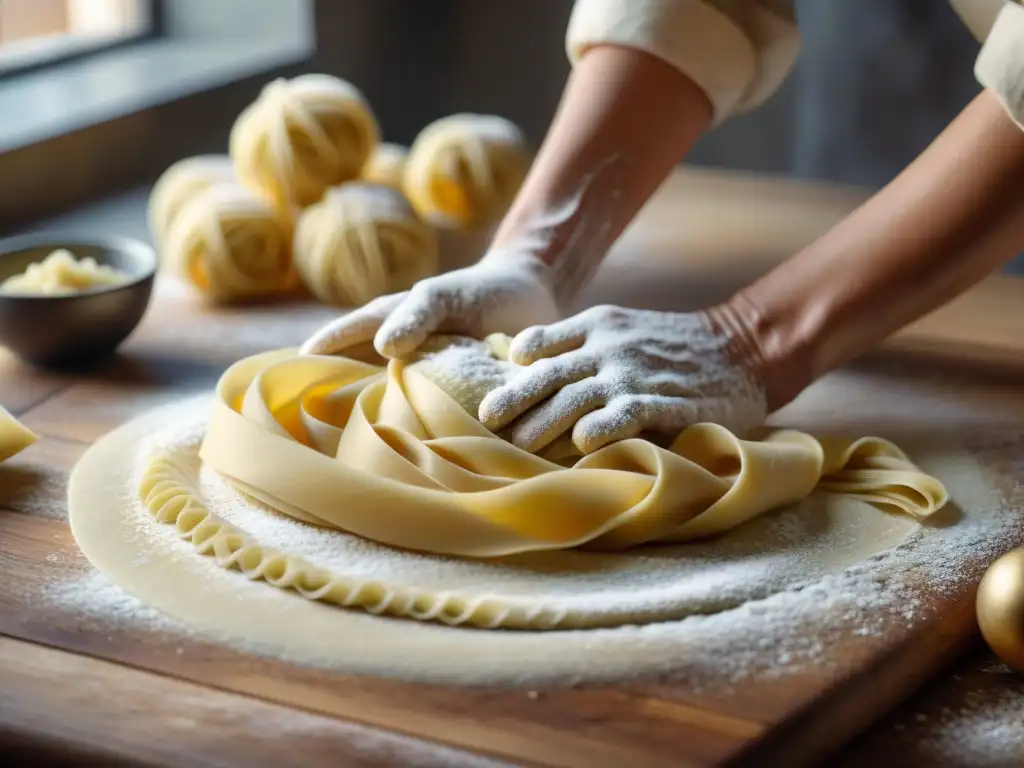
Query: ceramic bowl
[78, 328]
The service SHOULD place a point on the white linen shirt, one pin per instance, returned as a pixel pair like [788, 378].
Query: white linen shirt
[740, 51]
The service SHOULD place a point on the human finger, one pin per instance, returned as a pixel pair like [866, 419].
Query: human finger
[544, 341]
[356, 327]
[538, 427]
[542, 379]
[410, 323]
[628, 416]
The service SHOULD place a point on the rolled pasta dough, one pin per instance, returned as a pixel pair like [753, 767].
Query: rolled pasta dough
[419, 472]
[181, 182]
[464, 170]
[301, 137]
[230, 244]
[362, 241]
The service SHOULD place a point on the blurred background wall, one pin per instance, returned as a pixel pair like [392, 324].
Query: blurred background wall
[876, 81]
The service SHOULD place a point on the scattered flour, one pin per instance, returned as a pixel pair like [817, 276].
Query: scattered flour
[987, 731]
[975, 721]
[773, 636]
[99, 604]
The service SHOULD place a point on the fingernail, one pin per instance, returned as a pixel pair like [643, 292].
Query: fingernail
[385, 345]
[396, 348]
[519, 352]
[489, 414]
[585, 445]
[486, 415]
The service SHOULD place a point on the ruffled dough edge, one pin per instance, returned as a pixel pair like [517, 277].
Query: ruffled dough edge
[169, 491]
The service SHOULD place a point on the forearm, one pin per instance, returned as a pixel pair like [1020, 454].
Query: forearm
[951, 218]
[625, 120]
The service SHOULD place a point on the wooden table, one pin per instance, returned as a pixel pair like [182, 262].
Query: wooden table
[70, 691]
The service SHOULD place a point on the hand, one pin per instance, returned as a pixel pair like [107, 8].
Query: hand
[610, 373]
[503, 293]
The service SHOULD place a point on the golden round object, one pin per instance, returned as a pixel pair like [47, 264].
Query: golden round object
[301, 137]
[229, 243]
[1000, 607]
[463, 171]
[362, 241]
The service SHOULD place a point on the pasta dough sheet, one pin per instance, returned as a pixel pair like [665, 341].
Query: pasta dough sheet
[779, 551]
[394, 457]
[398, 457]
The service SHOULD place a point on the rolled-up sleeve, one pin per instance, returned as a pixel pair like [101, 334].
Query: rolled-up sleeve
[737, 51]
[1000, 65]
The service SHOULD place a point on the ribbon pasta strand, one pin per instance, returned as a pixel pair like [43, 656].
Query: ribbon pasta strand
[388, 455]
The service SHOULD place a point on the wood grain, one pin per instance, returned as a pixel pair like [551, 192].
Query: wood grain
[35, 482]
[182, 347]
[173, 722]
[22, 388]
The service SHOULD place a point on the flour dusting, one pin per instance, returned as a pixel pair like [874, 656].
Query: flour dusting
[98, 603]
[987, 731]
[753, 633]
[620, 372]
[975, 721]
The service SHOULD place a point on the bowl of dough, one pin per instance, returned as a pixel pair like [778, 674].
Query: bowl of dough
[72, 299]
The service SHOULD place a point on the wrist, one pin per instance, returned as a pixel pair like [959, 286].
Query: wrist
[777, 348]
[556, 242]
[517, 258]
[524, 266]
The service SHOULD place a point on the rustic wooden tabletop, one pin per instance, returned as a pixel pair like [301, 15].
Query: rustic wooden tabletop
[75, 691]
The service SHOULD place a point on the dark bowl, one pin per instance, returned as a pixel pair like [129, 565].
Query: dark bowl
[79, 328]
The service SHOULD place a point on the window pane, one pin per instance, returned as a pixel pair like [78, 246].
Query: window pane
[37, 31]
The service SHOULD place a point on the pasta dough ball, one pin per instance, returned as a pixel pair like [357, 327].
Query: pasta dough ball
[230, 243]
[181, 183]
[362, 241]
[464, 170]
[386, 165]
[301, 137]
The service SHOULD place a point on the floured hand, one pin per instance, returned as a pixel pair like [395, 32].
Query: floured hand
[503, 293]
[610, 373]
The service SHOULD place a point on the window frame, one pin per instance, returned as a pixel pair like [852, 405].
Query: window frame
[87, 126]
[77, 50]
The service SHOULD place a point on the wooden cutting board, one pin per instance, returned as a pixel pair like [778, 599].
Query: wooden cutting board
[91, 688]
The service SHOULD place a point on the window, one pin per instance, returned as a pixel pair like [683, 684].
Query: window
[36, 33]
[94, 93]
